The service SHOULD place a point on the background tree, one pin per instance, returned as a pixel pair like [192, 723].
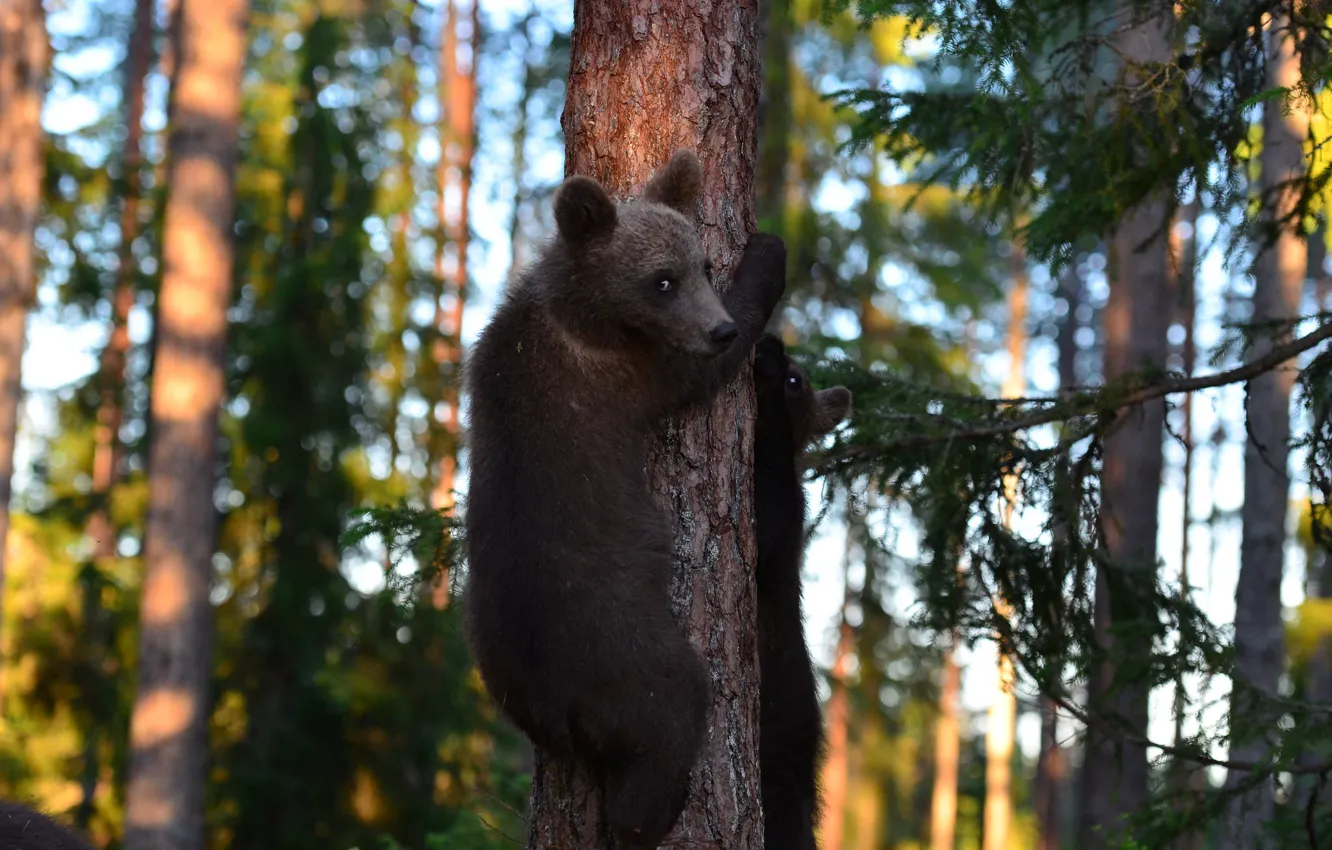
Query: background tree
[168, 731]
[24, 52]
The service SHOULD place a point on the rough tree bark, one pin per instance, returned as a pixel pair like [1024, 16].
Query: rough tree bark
[108, 451]
[164, 805]
[1278, 285]
[1136, 319]
[24, 53]
[646, 79]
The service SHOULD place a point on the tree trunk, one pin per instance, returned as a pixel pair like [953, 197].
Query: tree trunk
[1185, 775]
[645, 80]
[1051, 766]
[457, 143]
[24, 53]
[774, 114]
[1278, 285]
[1000, 727]
[164, 805]
[837, 716]
[1050, 770]
[520, 147]
[947, 747]
[1136, 319]
[108, 451]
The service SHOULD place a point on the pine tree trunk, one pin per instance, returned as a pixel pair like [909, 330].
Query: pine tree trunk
[837, 716]
[24, 53]
[1001, 727]
[646, 79]
[164, 805]
[1051, 766]
[457, 144]
[947, 747]
[774, 114]
[1050, 769]
[457, 97]
[1278, 285]
[1186, 776]
[1136, 320]
[108, 451]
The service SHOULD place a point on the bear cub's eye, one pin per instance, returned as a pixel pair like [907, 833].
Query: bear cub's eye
[664, 285]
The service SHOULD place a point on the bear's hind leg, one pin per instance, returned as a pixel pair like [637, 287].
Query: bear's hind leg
[661, 725]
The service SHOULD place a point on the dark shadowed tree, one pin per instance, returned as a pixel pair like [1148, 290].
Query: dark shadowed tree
[645, 80]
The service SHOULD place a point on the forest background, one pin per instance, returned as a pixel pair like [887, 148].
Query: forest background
[395, 166]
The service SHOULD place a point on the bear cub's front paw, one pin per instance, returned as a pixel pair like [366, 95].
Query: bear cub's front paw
[763, 268]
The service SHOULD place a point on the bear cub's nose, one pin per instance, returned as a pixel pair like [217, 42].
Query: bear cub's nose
[724, 333]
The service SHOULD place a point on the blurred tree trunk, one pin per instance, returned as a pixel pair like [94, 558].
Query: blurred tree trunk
[837, 715]
[774, 115]
[647, 79]
[1051, 763]
[1001, 724]
[520, 146]
[1278, 286]
[108, 451]
[164, 802]
[24, 54]
[947, 747]
[1186, 777]
[457, 98]
[1136, 320]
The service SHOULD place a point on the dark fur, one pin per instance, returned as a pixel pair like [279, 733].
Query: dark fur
[21, 828]
[790, 415]
[568, 611]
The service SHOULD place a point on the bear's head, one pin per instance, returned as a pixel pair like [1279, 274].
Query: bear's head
[785, 393]
[637, 270]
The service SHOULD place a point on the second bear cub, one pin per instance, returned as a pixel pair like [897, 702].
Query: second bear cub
[790, 416]
[568, 610]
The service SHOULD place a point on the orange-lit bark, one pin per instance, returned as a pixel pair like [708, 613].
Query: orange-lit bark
[457, 143]
[164, 805]
[24, 53]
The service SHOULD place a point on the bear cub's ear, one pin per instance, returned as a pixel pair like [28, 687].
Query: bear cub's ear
[583, 210]
[678, 184]
[831, 407]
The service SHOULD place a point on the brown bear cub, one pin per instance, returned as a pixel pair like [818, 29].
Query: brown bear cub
[21, 828]
[790, 416]
[567, 607]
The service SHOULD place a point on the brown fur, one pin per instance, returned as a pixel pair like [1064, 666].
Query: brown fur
[790, 415]
[567, 605]
[21, 828]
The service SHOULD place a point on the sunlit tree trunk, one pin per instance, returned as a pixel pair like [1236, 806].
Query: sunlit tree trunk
[646, 79]
[108, 451]
[1278, 285]
[457, 143]
[24, 53]
[1136, 321]
[1001, 724]
[947, 747]
[164, 805]
[836, 720]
